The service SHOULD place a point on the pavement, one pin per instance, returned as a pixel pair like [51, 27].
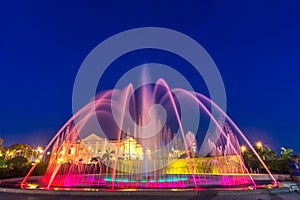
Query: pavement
[204, 196]
[260, 194]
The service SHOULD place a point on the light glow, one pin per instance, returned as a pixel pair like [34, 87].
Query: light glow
[131, 162]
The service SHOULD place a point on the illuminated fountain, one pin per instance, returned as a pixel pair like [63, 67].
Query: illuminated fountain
[145, 146]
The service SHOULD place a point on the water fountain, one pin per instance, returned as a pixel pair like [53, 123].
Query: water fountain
[165, 154]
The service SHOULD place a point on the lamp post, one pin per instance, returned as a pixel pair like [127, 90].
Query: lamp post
[243, 149]
[259, 145]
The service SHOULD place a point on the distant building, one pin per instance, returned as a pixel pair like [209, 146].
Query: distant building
[94, 146]
[128, 148]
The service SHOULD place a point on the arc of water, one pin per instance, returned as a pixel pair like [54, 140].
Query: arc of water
[241, 134]
[23, 183]
[129, 88]
[219, 127]
[67, 136]
[162, 82]
[195, 96]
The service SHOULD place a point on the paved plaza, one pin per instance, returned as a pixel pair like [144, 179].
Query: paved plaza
[207, 195]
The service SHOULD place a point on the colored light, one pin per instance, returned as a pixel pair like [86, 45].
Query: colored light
[259, 144]
[32, 186]
[183, 179]
[243, 149]
[160, 180]
[109, 179]
[66, 167]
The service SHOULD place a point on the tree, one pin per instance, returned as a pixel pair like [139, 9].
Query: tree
[274, 163]
[18, 161]
[23, 150]
[107, 155]
[268, 154]
[283, 161]
[286, 153]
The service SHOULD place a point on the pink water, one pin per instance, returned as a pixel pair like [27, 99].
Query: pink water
[145, 144]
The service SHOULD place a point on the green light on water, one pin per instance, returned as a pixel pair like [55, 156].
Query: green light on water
[173, 179]
[125, 180]
[160, 180]
[108, 179]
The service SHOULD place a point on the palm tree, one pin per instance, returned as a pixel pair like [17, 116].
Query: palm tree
[283, 161]
[104, 159]
[268, 154]
[286, 153]
[108, 155]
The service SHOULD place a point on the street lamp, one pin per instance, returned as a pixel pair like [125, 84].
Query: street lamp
[39, 149]
[243, 149]
[259, 144]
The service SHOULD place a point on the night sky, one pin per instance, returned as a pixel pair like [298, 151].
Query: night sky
[256, 46]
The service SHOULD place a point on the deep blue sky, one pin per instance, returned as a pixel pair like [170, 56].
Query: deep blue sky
[255, 46]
